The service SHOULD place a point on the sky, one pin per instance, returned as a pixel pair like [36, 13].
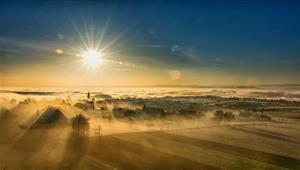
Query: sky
[145, 43]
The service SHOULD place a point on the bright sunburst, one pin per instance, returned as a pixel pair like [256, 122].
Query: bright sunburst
[92, 58]
[92, 49]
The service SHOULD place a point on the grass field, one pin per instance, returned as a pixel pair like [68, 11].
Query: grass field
[240, 146]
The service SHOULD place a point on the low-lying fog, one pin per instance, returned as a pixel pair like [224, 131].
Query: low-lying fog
[116, 117]
[120, 110]
[270, 92]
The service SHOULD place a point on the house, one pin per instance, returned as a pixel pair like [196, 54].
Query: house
[85, 105]
[51, 117]
[101, 104]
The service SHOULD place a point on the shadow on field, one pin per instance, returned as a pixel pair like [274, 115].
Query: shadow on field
[279, 160]
[264, 133]
[75, 150]
[110, 152]
[28, 145]
[33, 148]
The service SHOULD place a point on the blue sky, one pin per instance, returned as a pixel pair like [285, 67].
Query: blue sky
[236, 41]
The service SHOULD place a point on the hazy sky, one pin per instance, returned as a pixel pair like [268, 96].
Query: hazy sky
[150, 42]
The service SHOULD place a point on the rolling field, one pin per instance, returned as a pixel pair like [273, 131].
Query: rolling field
[241, 146]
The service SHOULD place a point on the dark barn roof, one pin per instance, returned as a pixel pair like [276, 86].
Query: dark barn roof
[51, 117]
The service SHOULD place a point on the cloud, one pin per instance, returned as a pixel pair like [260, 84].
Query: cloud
[195, 57]
[151, 31]
[188, 52]
[174, 48]
[60, 36]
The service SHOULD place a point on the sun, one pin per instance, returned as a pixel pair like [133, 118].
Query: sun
[92, 58]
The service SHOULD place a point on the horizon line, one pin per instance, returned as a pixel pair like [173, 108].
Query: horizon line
[162, 85]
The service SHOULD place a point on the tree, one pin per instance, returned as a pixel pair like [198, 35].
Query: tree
[229, 116]
[80, 124]
[219, 115]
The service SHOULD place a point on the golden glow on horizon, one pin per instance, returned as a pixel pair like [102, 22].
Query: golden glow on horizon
[92, 58]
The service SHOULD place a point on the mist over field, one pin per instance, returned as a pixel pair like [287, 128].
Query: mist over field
[107, 128]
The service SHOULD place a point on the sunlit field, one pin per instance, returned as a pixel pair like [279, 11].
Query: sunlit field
[180, 128]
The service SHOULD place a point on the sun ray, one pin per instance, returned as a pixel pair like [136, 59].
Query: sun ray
[116, 39]
[102, 34]
[81, 37]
